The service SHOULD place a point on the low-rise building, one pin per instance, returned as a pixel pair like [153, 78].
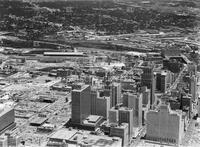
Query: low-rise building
[67, 137]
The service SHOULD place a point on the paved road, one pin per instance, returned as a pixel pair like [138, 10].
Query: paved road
[173, 86]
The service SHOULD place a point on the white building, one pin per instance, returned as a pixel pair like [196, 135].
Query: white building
[165, 125]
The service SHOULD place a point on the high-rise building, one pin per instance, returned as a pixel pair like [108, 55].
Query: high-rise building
[94, 95]
[137, 110]
[113, 115]
[115, 94]
[103, 106]
[134, 101]
[107, 87]
[165, 125]
[148, 79]
[126, 116]
[186, 104]
[126, 97]
[145, 96]
[162, 81]
[193, 87]
[121, 131]
[81, 103]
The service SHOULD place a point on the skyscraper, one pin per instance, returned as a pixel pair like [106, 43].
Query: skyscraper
[113, 115]
[103, 106]
[126, 116]
[162, 81]
[81, 103]
[134, 101]
[94, 94]
[115, 94]
[145, 96]
[193, 87]
[148, 79]
[121, 131]
[165, 125]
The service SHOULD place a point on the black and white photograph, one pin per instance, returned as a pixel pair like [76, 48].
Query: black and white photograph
[99, 73]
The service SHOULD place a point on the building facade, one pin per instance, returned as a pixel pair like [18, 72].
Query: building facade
[165, 125]
[81, 104]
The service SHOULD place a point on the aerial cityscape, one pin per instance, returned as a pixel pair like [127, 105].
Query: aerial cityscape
[100, 73]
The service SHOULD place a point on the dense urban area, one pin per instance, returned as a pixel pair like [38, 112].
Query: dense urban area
[99, 73]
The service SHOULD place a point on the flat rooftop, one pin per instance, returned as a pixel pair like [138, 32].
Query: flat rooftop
[73, 137]
[125, 109]
[92, 120]
[39, 120]
[63, 134]
[95, 140]
[122, 126]
[82, 86]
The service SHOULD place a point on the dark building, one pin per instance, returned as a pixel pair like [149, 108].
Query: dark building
[94, 95]
[148, 80]
[126, 116]
[162, 81]
[172, 65]
[81, 103]
[115, 95]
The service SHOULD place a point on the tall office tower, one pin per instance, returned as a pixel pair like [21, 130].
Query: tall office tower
[116, 94]
[113, 115]
[165, 125]
[94, 95]
[81, 103]
[126, 97]
[121, 131]
[186, 103]
[146, 96]
[103, 106]
[193, 87]
[134, 101]
[162, 81]
[126, 116]
[107, 88]
[137, 109]
[7, 118]
[148, 79]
